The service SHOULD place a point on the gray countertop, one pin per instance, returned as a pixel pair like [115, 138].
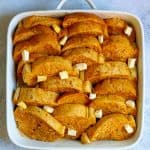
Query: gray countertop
[9, 8]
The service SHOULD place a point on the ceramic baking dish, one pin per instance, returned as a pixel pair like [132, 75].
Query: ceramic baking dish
[20, 140]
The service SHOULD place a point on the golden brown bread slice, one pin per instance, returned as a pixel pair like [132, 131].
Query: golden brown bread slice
[47, 66]
[117, 26]
[24, 34]
[35, 97]
[81, 17]
[72, 84]
[73, 98]
[83, 55]
[38, 124]
[32, 21]
[110, 69]
[119, 48]
[86, 28]
[122, 87]
[112, 104]
[82, 41]
[110, 127]
[75, 116]
[43, 44]
[21, 63]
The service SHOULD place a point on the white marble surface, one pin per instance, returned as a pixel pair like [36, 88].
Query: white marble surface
[9, 8]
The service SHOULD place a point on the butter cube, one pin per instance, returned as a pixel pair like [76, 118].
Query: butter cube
[56, 28]
[128, 30]
[22, 105]
[101, 39]
[48, 109]
[92, 96]
[25, 55]
[63, 40]
[128, 128]
[72, 132]
[130, 103]
[99, 113]
[63, 75]
[81, 66]
[131, 62]
[41, 78]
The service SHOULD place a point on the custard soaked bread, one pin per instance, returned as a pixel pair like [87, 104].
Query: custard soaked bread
[82, 41]
[110, 127]
[83, 55]
[33, 21]
[55, 84]
[81, 17]
[76, 117]
[73, 98]
[35, 97]
[122, 87]
[38, 124]
[76, 77]
[119, 48]
[42, 43]
[110, 69]
[118, 26]
[32, 58]
[113, 104]
[24, 34]
[86, 28]
[46, 66]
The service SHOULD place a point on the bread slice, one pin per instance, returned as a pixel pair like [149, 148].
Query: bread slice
[81, 17]
[119, 48]
[33, 21]
[75, 116]
[48, 66]
[35, 97]
[122, 87]
[73, 98]
[112, 104]
[55, 84]
[82, 41]
[111, 127]
[83, 55]
[24, 34]
[111, 69]
[87, 28]
[117, 26]
[43, 44]
[33, 57]
[37, 124]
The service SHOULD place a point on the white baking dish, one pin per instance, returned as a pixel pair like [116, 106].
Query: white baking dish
[20, 140]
